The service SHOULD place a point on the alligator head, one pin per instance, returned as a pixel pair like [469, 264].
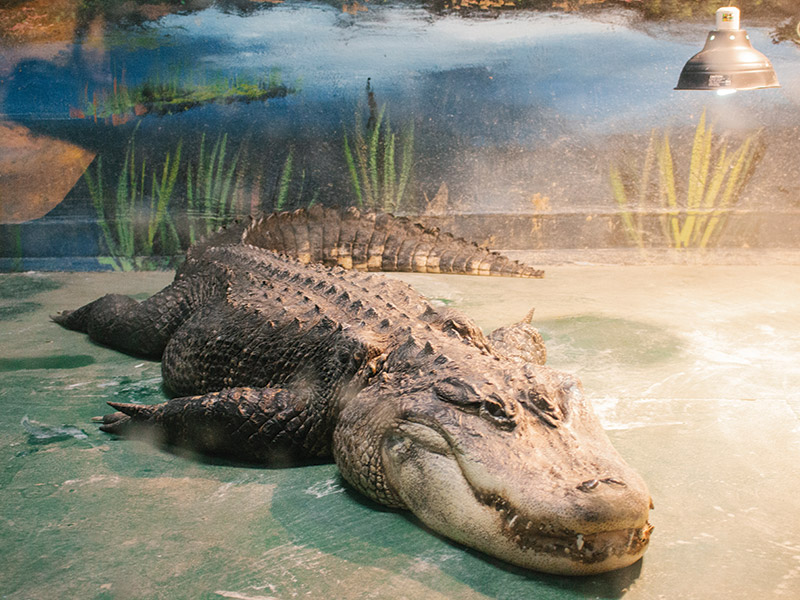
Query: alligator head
[504, 457]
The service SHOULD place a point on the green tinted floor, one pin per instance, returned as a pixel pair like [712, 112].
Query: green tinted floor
[693, 371]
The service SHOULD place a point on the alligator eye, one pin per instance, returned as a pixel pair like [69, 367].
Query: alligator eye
[455, 392]
[543, 408]
[492, 409]
[463, 395]
[540, 401]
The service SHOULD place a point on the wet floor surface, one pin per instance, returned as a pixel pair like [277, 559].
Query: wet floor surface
[692, 370]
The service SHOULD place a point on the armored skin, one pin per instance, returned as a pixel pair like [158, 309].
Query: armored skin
[274, 358]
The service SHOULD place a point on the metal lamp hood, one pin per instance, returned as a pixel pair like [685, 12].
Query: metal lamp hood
[728, 62]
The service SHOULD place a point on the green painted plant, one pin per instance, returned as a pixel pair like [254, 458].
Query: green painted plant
[138, 231]
[177, 91]
[134, 223]
[211, 189]
[285, 181]
[715, 179]
[379, 175]
[291, 188]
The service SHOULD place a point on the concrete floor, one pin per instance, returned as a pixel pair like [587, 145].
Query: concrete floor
[693, 370]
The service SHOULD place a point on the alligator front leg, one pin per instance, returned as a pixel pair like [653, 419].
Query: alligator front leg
[258, 425]
[139, 328]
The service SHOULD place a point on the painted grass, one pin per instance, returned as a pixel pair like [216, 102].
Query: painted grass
[150, 213]
[133, 216]
[379, 173]
[694, 209]
[211, 186]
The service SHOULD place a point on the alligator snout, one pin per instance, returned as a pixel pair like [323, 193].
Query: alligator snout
[608, 503]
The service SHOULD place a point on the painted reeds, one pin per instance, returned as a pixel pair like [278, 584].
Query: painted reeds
[285, 181]
[380, 177]
[290, 188]
[715, 179]
[134, 224]
[211, 189]
[137, 212]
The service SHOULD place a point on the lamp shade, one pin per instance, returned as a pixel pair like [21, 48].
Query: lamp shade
[728, 61]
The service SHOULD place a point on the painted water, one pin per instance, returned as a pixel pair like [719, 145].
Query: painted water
[534, 122]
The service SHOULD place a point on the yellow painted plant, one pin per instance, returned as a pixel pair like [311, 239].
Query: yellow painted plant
[714, 182]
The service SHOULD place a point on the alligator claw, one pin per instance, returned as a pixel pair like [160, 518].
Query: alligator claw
[116, 423]
[60, 317]
[125, 419]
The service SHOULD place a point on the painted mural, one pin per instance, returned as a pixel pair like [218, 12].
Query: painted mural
[128, 130]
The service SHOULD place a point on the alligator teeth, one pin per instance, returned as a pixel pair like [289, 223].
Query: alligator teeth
[579, 542]
[511, 520]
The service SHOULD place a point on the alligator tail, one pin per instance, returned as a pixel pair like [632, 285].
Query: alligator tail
[373, 241]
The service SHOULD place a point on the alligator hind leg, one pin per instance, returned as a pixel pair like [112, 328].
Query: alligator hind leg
[140, 328]
[258, 425]
[520, 341]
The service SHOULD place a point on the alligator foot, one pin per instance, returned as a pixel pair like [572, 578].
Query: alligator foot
[138, 328]
[262, 425]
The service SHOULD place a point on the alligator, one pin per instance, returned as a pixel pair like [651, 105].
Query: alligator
[272, 358]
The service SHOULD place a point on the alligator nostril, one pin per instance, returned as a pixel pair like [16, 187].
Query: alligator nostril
[588, 486]
[613, 481]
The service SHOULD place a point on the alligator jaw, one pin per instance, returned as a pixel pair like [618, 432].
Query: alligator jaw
[426, 472]
[568, 552]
